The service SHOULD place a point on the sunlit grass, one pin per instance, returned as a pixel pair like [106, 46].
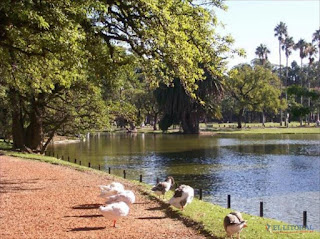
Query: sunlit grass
[211, 217]
[5, 145]
[272, 131]
[249, 128]
[254, 128]
[207, 216]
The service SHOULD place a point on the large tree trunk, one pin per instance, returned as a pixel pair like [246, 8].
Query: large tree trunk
[263, 119]
[281, 122]
[18, 134]
[190, 123]
[155, 121]
[31, 138]
[34, 133]
[240, 118]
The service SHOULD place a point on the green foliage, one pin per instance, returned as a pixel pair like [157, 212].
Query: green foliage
[254, 89]
[178, 106]
[166, 122]
[56, 55]
[172, 36]
[297, 109]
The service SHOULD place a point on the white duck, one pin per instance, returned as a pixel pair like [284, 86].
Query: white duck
[163, 187]
[111, 189]
[233, 223]
[114, 211]
[183, 195]
[126, 196]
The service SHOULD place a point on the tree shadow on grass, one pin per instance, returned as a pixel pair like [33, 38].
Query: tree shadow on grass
[84, 229]
[157, 208]
[149, 218]
[170, 212]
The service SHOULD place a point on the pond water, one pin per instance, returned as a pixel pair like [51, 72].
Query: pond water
[283, 171]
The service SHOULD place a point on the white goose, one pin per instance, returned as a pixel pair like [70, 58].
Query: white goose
[163, 187]
[233, 223]
[111, 189]
[114, 211]
[183, 195]
[126, 196]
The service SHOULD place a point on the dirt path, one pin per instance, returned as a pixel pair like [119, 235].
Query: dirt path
[40, 200]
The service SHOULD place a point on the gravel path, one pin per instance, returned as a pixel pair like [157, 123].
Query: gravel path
[40, 200]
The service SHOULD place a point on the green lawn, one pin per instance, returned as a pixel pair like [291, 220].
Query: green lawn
[206, 217]
[5, 145]
[299, 130]
[249, 128]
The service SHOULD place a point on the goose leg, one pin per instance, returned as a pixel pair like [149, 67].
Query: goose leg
[238, 235]
[114, 223]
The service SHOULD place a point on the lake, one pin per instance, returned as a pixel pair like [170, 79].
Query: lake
[283, 171]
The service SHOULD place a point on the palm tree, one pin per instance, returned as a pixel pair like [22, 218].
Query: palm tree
[311, 51]
[316, 38]
[287, 47]
[302, 46]
[262, 52]
[280, 32]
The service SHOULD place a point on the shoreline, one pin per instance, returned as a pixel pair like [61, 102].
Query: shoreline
[191, 214]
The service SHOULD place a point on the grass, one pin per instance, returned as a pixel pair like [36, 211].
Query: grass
[205, 216]
[5, 145]
[268, 131]
[249, 128]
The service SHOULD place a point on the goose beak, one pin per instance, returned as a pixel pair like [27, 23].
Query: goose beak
[245, 225]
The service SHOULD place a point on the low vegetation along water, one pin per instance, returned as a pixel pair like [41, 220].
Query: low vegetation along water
[283, 171]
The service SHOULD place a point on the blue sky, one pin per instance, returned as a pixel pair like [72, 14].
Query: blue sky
[253, 22]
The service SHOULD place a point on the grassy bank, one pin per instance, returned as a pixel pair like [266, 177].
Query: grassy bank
[250, 128]
[205, 216]
[267, 131]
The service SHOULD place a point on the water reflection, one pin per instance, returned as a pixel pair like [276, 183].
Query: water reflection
[281, 170]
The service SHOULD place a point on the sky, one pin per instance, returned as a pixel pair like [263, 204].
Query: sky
[252, 22]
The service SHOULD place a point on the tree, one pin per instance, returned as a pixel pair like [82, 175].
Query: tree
[301, 45]
[262, 52]
[316, 39]
[253, 88]
[51, 50]
[179, 107]
[280, 32]
[172, 37]
[311, 50]
[287, 47]
[42, 51]
[299, 110]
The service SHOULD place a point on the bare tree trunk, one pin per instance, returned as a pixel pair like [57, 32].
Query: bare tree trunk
[286, 87]
[240, 118]
[34, 132]
[155, 121]
[263, 119]
[18, 134]
[280, 82]
[190, 123]
[301, 98]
